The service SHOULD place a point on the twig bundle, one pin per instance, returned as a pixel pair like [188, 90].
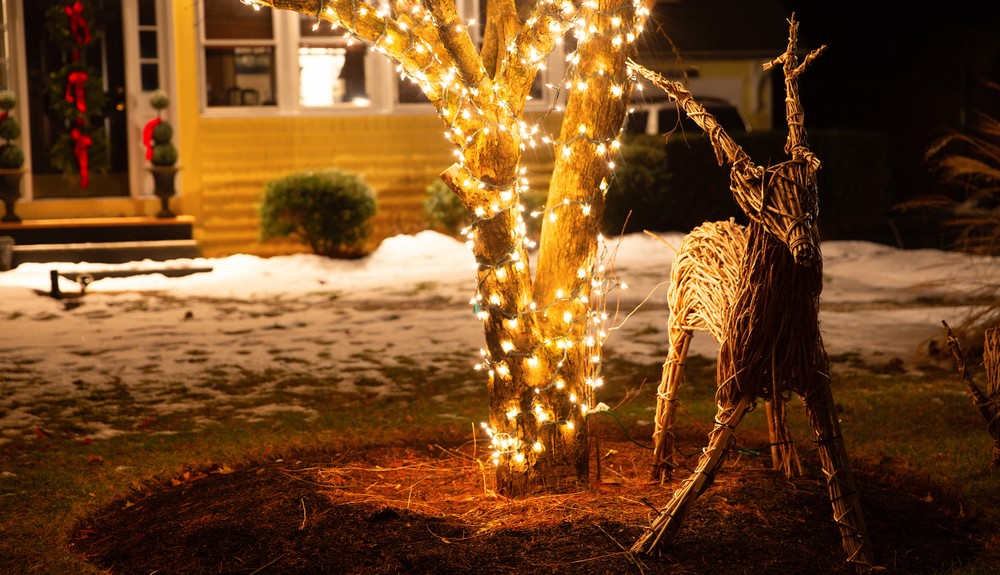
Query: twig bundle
[988, 402]
[758, 294]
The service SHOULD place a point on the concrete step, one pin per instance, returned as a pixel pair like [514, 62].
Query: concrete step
[105, 252]
[81, 230]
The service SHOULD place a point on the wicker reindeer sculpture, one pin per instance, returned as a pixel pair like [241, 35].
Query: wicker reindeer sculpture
[756, 290]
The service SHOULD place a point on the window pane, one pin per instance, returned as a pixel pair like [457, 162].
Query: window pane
[332, 74]
[150, 77]
[147, 12]
[410, 92]
[147, 44]
[231, 19]
[240, 76]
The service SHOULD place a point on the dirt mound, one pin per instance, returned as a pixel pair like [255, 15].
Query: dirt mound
[431, 510]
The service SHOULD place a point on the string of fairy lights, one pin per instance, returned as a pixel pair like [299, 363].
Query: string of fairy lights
[468, 99]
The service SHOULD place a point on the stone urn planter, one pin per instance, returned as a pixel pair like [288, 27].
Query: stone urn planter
[10, 192]
[163, 188]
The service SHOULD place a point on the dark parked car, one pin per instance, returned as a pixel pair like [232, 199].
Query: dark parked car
[657, 114]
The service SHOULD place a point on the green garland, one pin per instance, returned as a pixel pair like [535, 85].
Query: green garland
[74, 86]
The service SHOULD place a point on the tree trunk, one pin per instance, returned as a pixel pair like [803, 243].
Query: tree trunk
[543, 337]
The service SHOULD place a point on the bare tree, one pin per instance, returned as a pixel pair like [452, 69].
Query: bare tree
[543, 330]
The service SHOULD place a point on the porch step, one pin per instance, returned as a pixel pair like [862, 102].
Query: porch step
[105, 252]
[82, 230]
[100, 240]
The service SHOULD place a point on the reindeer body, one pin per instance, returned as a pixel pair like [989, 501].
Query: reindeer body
[754, 287]
[756, 290]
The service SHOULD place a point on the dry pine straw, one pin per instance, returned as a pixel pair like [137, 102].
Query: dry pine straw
[459, 487]
[431, 509]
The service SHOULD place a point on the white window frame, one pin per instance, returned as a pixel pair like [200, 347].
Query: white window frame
[380, 74]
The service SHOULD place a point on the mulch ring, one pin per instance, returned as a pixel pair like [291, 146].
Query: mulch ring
[430, 509]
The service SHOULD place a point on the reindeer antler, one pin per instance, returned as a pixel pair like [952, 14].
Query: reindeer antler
[795, 145]
[725, 147]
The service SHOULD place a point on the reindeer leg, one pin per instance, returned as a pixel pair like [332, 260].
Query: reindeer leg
[721, 439]
[666, 404]
[784, 457]
[839, 479]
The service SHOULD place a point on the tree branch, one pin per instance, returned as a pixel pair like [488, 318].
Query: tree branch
[521, 57]
[456, 41]
[383, 32]
[502, 24]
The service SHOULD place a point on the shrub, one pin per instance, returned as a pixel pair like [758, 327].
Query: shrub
[676, 184]
[968, 163]
[446, 213]
[164, 155]
[9, 128]
[443, 210]
[329, 210]
[164, 151]
[11, 155]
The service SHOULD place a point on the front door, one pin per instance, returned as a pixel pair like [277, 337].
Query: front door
[76, 88]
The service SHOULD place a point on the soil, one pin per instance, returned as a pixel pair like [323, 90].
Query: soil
[430, 509]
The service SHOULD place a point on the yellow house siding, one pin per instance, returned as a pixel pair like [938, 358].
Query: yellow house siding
[227, 161]
[397, 155]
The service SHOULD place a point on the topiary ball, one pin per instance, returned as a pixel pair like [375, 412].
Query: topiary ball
[11, 157]
[159, 99]
[163, 132]
[10, 129]
[7, 100]
[164, 155]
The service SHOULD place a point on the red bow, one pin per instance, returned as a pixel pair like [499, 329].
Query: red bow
[77, 24]
[75, 90]
[3, 115]
[147, 137]
[80, 149]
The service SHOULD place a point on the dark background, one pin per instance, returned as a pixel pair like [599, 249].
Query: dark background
[910, 74]
[913, 73]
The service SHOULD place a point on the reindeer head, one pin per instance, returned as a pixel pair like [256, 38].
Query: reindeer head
[783, 200]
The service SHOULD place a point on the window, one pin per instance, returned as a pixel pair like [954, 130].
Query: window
[240, 49]
[284, 61]
[331, 66]
[149, 54]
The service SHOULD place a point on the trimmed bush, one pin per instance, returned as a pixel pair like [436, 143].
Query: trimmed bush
[329, 210]
[11, 155]
[676, 185]
[10, 129]
[162, 132]
[443, 210]
[164, 152]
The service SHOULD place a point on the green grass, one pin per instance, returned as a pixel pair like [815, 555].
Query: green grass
[923, 427]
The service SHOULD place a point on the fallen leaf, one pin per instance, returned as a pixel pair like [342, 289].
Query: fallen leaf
[96, 459]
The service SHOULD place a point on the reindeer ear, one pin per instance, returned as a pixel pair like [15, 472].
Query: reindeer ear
[748, 190]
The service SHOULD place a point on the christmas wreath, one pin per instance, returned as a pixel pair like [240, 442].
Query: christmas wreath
[76, 93]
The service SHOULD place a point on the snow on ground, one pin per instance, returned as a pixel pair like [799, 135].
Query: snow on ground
[174, 344]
